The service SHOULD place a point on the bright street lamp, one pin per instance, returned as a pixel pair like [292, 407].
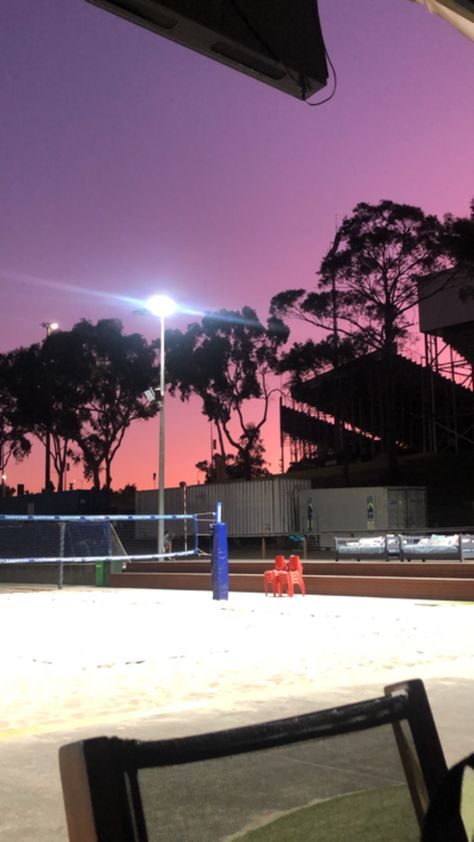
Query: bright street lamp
[49, 327]
[161, 306]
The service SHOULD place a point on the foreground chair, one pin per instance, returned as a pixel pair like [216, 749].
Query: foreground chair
[213, 786]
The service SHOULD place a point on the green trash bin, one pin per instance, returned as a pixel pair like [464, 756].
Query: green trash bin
[100, 574]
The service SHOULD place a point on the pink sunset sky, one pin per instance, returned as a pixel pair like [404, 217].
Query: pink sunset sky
[130, 165]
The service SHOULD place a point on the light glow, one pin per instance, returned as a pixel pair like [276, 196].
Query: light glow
[161, 306]
[50, 327]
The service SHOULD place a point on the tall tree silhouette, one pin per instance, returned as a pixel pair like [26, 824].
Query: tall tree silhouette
[227, 362]
[120, 368]
[49, 385]
[367, 287]
[85, 387]
[249, 463]
[14, 443]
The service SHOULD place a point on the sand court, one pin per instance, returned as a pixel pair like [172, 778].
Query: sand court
[152, 664]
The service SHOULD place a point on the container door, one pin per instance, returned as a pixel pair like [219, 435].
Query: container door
[397, 509]
[416, 508]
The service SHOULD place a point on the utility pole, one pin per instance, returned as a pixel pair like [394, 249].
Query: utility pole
[49, 327]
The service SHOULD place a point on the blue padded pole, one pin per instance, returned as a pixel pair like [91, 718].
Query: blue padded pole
[220, 559]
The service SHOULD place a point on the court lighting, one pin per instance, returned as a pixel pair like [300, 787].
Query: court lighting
[50, 327]
[161, 306]
[150, 394]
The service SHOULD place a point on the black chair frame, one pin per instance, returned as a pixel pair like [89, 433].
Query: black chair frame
[99, 775]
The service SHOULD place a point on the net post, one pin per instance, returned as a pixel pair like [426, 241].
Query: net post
[196, 535]
[220, 558]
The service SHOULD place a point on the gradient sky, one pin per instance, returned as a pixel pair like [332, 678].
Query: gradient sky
[130, 165]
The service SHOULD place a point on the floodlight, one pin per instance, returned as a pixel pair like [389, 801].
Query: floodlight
[150, 394]
[50, 327]
[161, 306]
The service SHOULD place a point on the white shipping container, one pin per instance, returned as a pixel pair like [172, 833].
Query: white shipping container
[327, 512]
[255, 508]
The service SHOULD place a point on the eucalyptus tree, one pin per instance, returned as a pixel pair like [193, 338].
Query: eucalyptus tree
[119, 368]
[367, 289]
[227, 361]
[14, 441]
[49, 379]
[368, 279]
[249, 463]
[459, 241]
[84, 388]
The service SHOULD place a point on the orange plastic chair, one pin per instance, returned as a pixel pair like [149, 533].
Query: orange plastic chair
[274, 577]
[295, 575]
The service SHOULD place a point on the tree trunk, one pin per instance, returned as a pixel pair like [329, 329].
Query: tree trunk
[390, 409]
[223, 451]
[96, 476]
[108, 475]
[246, 462]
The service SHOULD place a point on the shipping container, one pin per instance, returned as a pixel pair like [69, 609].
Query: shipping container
[257, 508]
[327, 512]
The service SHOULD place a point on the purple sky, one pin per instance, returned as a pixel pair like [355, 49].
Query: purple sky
[131, 165]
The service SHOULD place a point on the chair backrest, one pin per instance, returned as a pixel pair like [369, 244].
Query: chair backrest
[214, 786]
[294, 563]
[280, 562]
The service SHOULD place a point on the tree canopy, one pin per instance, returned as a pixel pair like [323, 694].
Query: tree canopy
[227, 362]
[367, 286]
[14, 442]
[459, 241]
[246, 464]
[366, 294]
[120, 368]
[85, 387]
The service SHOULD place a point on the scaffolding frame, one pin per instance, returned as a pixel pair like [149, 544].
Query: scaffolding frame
[442, 359]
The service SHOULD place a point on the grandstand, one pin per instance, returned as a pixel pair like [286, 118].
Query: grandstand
[339, 415]
[432, 412]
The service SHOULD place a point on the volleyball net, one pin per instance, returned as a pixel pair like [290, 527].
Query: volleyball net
[114, 541]
[85, 539]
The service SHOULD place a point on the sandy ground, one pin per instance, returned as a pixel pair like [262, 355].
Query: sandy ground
[149, 664]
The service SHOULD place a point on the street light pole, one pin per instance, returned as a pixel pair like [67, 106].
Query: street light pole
[3, 491]
[161, 457]
[283, 396]
[185, 511]
[161, 306]
[49, 327]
